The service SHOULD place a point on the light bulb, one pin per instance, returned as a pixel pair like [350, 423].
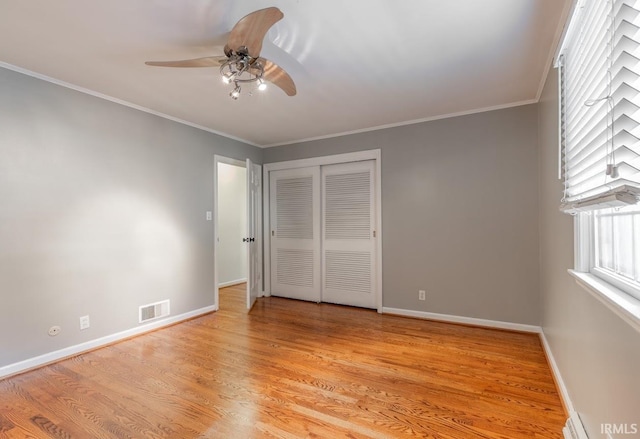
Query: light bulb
[262, 86]
[226, 79]
[235, 94]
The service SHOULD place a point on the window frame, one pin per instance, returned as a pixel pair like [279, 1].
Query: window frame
[618, 281]
[608, 289]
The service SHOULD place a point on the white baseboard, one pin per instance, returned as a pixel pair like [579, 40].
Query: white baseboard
[564, 393]
[231, 282]
[32, 363]
[464, 320]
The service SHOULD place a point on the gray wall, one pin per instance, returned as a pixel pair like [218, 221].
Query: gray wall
[598, 354]
[459, 209]
[102, 209]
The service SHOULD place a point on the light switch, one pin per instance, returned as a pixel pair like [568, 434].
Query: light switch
[84, 322]
[209, 215]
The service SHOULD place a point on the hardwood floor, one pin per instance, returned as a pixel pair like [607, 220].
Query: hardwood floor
[292, 369]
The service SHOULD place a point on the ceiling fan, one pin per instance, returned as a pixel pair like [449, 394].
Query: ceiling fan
[241, 62]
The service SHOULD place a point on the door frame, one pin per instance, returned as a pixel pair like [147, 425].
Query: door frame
[371, 154]
[229, 161]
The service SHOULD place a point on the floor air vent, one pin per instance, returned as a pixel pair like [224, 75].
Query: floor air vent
[154, 311]
[574, 429]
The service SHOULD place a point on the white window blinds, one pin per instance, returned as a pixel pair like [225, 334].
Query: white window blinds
[600, 118]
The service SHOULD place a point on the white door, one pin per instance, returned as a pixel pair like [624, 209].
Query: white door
[348, 234]
[253, 235]
[295, 233]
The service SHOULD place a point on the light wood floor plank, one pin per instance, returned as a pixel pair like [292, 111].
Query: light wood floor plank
[292, 369]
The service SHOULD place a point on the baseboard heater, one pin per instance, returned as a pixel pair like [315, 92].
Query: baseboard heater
[574, 429]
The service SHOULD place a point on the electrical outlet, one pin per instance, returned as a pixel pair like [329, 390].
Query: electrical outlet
[209, 215]
[84, 322]
[54, 330]
[422, 295]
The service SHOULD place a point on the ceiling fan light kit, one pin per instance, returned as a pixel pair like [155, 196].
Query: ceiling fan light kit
[242, 68]
[241, 63]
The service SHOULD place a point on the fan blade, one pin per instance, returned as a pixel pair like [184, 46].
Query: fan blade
[278, 77]
[251, 29]
[208, 61]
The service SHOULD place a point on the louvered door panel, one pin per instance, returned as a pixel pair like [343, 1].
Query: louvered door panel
[347, 206]
[348, 243]
[348, 271]
[295, 267]
[294, 198]
[295, 233]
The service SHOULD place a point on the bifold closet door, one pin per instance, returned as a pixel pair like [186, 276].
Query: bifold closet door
[295, 233]
[348, 234]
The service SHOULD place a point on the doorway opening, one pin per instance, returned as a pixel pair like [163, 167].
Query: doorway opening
[231, 224]
[237, 227]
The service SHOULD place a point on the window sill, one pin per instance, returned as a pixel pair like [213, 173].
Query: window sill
[621, 303]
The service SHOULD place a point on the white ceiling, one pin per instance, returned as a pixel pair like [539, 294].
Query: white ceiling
[357, 64]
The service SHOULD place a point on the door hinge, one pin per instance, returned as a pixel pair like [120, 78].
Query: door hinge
[273, 233]
[374, 233]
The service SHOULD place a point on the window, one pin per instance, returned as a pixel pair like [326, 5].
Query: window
[616, 256]
[599, 66]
